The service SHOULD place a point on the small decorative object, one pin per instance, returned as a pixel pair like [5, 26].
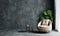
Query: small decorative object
[46, 20]
[29, 27]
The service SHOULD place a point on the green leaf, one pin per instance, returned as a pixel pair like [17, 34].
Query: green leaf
[47, 17]
[49, 12]
[45, 13]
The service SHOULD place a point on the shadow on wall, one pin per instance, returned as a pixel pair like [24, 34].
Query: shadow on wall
[18, 13]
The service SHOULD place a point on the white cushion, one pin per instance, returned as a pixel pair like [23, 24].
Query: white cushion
[45, 22]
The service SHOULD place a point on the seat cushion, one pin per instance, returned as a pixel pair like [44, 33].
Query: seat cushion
[45, 22]
[43, 26]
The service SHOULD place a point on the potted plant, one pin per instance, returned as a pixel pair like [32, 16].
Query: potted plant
[48, 14]
[45, 23]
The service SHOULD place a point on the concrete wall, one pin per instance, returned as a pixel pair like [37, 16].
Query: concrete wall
[16, 14]
[3, 13]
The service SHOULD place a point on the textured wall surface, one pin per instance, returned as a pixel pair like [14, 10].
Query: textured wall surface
[16, 14]
[3, 13]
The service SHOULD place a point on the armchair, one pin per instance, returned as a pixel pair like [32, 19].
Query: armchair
[44, 25]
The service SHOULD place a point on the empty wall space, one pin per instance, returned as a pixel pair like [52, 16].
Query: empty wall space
[16, 14]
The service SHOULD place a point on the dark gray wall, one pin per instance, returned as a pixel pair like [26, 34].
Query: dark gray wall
[16, 14]
[3, 12]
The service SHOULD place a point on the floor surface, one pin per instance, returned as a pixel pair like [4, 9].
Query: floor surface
[19, 33]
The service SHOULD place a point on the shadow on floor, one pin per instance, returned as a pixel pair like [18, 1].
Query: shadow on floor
[21, 31]
[39, 32]
[35, 32]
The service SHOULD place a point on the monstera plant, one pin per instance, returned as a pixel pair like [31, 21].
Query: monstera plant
[48, 14]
